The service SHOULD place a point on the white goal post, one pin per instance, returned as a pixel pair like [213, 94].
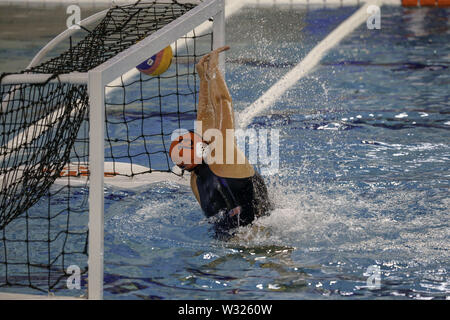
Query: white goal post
[99, 78]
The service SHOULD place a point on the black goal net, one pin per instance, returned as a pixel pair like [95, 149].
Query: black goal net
[44, 148]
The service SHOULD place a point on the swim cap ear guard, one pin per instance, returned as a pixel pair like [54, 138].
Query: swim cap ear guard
[200, 149]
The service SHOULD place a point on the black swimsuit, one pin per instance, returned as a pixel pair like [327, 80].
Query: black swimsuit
[232, 201]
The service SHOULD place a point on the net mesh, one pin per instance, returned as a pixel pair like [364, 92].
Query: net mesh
[44, 148]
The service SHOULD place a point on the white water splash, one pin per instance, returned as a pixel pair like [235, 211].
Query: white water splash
[334, 219]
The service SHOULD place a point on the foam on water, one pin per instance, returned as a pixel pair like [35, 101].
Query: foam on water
[333, 218]
[363, 179]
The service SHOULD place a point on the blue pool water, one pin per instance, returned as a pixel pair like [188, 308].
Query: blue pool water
[363, 180]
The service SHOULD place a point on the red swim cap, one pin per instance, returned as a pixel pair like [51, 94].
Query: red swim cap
[186, 151]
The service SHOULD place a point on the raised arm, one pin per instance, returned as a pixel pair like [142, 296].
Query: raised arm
[215, 111]
[215, 105]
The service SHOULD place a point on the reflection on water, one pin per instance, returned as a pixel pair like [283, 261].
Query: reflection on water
[364, 181]
[364, 177]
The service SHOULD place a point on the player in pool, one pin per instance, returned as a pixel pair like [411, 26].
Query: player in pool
[233, 193]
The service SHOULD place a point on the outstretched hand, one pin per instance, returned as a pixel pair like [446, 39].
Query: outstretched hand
[208, 63]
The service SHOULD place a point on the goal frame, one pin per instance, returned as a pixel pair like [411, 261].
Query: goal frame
[97, 81]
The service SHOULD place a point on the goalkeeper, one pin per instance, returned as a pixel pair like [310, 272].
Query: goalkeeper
[233, 193]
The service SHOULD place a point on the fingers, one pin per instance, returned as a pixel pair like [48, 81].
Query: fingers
[214, 55]
[211, 59]
[200, 68]
[219, 50]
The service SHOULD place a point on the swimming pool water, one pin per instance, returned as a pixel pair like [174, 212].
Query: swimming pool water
[363, 181]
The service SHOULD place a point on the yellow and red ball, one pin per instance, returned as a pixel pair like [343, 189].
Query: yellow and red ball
[157, 64]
